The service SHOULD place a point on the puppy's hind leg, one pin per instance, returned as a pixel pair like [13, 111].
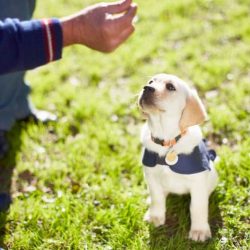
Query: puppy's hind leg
[157, 208]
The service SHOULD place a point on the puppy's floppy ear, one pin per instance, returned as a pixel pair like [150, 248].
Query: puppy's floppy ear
[194, 112]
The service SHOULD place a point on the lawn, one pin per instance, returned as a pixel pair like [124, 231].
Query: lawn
[78, 184]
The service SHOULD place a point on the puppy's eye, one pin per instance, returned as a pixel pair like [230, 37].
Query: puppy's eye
[151, 81]
[170, 87]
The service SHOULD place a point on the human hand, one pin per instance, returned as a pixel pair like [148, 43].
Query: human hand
[101, 27]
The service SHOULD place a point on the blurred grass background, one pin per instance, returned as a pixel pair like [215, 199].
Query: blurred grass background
[78, 184]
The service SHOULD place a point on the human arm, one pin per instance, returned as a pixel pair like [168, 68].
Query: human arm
[29, 44]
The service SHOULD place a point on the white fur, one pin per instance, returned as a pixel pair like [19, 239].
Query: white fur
[160, 179]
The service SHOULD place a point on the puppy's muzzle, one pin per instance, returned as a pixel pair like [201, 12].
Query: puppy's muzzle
[147, 96]
[148, 89]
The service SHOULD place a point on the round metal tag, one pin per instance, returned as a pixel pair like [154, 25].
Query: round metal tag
[171, 158]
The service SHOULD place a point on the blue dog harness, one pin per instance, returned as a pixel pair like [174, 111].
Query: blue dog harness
[196, 162]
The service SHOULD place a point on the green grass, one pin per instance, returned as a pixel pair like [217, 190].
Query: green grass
[78, 184]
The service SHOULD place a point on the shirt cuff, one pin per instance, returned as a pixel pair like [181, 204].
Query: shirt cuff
[52, 32]
[42, 40]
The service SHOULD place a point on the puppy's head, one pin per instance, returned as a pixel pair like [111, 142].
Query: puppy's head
[169, 95]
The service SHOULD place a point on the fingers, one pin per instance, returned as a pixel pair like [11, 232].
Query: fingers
[119, 40]
[125, 34]
[125, 20]
[118, 7]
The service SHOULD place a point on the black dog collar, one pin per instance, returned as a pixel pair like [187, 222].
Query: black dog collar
[168, 143]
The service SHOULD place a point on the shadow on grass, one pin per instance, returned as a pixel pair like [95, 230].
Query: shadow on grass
[174, 234]
[7, 166]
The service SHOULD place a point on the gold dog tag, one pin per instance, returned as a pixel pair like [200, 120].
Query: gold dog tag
[171, 157]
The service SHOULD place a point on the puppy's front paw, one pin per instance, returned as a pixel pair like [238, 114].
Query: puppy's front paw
[200, 234]
[156, 218]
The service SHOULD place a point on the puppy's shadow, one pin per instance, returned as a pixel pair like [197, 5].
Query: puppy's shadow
[7, 166]
[174, 234]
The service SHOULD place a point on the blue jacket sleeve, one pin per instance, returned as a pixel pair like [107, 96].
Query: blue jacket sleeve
[29, 44]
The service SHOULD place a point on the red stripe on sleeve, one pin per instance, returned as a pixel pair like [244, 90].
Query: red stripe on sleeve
[45, 40]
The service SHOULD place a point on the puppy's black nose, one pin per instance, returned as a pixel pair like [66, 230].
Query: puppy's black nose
[149, 89]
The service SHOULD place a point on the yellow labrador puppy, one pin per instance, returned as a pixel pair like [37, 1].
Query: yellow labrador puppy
[175, 158]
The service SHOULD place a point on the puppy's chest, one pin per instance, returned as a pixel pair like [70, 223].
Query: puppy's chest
[168, 180]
